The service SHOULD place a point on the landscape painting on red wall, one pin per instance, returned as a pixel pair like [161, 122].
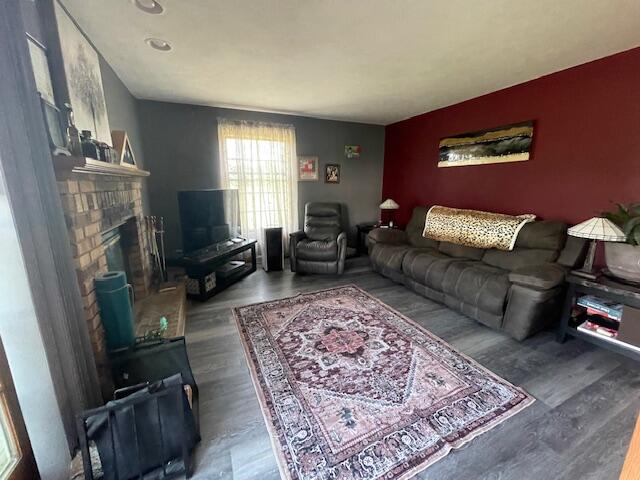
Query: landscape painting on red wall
[510, 143]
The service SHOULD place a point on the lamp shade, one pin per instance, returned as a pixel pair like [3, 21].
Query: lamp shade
[598, 228]
[389, 204]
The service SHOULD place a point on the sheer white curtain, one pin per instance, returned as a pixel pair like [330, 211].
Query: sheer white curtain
[259, 159]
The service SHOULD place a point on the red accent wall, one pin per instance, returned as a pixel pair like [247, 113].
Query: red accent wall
[585, 152]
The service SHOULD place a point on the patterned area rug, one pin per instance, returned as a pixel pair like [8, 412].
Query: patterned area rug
[352, 389]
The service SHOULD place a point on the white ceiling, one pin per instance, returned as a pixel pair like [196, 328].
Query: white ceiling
[375, 61]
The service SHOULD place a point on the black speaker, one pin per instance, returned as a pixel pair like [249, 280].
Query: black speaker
[272, 251]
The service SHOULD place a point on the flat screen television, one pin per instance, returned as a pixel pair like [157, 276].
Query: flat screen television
[208, 217]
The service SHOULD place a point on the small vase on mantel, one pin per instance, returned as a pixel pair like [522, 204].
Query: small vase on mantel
[89, 146]
[73, 136]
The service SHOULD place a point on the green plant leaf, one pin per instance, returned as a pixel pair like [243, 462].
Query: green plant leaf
[635, 238]
[630, 225]
[615, 218]
[622, 208]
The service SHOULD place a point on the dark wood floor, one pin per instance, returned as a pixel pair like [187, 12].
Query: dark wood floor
[579, 427]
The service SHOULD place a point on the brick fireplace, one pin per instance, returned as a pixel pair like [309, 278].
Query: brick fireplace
[96, 206]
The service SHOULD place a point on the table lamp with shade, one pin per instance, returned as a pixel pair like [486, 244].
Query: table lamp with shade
[596, 228]
[390, 205]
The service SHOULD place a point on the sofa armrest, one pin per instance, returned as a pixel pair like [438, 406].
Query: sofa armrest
[294, 238]
[539, 277]
[387, 235]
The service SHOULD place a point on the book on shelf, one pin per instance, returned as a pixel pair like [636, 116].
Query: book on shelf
[592, 327]
[600, 306]
[599, 313]
[602, 320]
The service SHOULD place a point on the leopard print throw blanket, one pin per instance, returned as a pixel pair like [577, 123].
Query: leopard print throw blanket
[474, 228]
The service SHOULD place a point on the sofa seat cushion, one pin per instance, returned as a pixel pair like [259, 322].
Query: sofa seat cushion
[389, 256]
[479, 285]
[539, 277]
[317, 250]
[427, 266]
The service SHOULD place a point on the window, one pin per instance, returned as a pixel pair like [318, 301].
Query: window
[259, 160]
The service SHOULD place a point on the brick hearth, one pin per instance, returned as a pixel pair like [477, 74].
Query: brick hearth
[94, 204]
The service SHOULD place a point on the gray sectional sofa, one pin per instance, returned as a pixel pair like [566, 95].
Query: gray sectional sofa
[519, 291]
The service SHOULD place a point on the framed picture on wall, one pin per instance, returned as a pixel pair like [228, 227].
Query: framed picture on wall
[122, 145]
[41, 72]
[508, 143]
[332, 173]
[307, 168]
[352, 151]
[55, 127]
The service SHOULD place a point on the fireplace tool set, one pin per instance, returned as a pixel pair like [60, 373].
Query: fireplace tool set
[155, 234]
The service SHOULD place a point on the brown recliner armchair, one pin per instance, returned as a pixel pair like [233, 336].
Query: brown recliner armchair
[322, 246]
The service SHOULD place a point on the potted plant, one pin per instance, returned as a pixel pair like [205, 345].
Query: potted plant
[623, 259]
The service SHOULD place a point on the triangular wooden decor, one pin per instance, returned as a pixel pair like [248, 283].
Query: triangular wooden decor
[123, 147]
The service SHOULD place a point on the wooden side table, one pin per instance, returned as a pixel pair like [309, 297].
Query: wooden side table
[606, 289]
[363, 230]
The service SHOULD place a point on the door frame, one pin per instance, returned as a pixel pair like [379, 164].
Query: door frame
[26, 468]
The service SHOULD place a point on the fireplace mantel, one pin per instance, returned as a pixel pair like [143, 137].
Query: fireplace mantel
[64, 164]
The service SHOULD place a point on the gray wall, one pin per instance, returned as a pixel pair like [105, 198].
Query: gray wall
[122, 110]
[181, 147]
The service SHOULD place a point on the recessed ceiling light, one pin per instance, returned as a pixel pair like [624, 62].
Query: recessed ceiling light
[158, 44]
[149, 6]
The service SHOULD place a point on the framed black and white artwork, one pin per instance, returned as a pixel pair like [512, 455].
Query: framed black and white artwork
[84, 82]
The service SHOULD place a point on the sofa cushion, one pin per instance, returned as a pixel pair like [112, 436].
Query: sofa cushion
[322, 220]
[460, 251]
[415, 228]
[519, 257]
[479, 285]
[389, 256]
[317, 250]
[573, 253]
[546, 234]
[427, 267]
[492, 320]
[539, 277]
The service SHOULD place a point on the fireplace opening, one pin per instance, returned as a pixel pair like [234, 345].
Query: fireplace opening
[116, 251]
